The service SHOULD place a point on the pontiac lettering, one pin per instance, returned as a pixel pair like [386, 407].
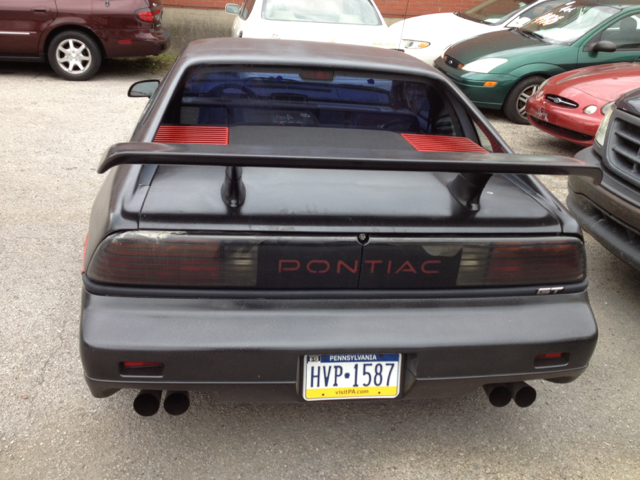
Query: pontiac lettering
[339, 267]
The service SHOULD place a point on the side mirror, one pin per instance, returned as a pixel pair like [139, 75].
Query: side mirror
[145, 88]
[519, 22]
[232, 8]
[605, 46]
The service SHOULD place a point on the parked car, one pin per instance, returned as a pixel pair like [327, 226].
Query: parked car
[610, 212]
[502, 70]
[427, 36]
[572, 105]
[74, 36]
[305, 221]
[355, 22]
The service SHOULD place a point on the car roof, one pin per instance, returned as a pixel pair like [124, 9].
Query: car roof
[296, 53]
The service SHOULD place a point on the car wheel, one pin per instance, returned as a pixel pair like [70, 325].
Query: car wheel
[74, 55]
[516, 102]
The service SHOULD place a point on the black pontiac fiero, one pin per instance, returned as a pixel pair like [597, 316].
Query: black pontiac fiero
[297, 221]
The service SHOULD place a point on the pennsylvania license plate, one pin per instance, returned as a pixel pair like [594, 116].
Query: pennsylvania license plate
[351, 376]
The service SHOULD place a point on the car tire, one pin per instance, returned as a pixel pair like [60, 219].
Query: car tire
[74, 55]
[516, 102]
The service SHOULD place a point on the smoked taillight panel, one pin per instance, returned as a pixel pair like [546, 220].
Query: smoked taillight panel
[181, 259]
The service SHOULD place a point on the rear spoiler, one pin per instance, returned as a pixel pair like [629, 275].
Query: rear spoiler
[475, 169]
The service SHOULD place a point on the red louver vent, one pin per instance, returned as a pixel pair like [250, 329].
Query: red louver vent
[192, 134]
[441, 143]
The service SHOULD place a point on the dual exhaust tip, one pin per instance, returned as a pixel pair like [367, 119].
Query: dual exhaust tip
[147, 402]
[500, 394]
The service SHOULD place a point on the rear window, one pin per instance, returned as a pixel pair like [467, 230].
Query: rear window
[351, 12]
[222, 96]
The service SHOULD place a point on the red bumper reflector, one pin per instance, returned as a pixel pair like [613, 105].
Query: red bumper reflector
[550, 355]
[442, 143]
[192, 134]
[124, 42]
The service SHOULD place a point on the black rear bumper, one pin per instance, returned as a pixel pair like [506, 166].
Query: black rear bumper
[250, 350]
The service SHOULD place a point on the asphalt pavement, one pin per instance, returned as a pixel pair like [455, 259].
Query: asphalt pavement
[52, 135]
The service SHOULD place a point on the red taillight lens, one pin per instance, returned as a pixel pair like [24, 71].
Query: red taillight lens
[172, 259]
[148, 15]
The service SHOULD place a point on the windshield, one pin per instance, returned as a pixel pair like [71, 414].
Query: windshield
[495, 11]
[350, 12]
[567, 23]
[225, 96]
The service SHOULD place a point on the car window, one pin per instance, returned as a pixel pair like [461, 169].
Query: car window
[246, 9]
[494, 11]
[542, 8]
[568, 22]
[625, 33]
[224, 96]
[354, 12]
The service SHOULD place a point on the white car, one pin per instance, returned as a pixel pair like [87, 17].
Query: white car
[428, 36]
[356, 22]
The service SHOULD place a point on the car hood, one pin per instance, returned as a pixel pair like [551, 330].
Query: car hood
[441, 29]
[509, 44]
[606, 82]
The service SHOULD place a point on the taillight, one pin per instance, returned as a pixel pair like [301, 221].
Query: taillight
[148, 15]
[181, 259]
[174, 259]
[522, 263]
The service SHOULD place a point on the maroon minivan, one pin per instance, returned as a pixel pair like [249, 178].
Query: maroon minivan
[75, 35]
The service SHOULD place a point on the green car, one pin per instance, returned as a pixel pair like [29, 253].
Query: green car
[503, 69]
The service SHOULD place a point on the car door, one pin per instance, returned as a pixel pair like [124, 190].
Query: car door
[22, 23]
[624, 32]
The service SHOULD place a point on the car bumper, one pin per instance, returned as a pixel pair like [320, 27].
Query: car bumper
[566, 123]
[610, 212]
[251, 350]
[134, 43]
[472, 85]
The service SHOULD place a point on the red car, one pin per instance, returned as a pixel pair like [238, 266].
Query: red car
[571, 105]
[75, 35]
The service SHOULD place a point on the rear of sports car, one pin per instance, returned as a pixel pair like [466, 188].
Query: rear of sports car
[290, 281]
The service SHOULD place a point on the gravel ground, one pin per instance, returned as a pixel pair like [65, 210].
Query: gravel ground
[53, 134]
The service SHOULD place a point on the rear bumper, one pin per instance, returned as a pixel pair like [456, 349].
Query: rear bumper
[250, 350]
[134, 43]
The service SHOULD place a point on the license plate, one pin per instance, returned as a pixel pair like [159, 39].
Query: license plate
[351, 376]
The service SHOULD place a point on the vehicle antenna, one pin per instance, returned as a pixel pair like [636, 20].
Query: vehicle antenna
[406, 9]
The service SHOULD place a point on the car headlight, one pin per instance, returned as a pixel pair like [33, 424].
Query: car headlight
[543, 84]
[591, 109]
[602, 130]
[485, 65]
[414, 44]
[607, 107]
